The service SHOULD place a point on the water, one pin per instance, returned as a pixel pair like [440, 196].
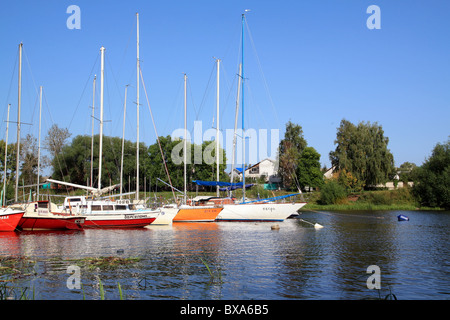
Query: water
[248, 260]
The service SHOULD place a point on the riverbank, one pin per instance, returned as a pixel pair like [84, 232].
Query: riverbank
[398, 199]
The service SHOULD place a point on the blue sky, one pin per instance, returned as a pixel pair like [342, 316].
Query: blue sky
[311, 62]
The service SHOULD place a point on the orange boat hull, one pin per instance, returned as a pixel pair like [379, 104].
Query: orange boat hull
[197, 214]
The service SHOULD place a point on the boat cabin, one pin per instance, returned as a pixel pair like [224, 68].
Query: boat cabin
[80, 203]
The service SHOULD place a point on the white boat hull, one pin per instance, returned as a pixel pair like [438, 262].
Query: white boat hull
[166, 216]
[258, 211]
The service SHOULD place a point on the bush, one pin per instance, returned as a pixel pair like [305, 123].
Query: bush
[433, 178]
[332, 193]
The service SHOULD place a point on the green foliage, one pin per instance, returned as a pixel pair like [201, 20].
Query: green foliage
[432, 185]
[332, 193]
[289, 152]
[362, 150]
[308, 170]
[73, 163]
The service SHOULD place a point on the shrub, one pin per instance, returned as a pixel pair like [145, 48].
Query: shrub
[332, 193]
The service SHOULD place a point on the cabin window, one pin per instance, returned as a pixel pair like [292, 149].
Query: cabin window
[43, 205]
[121, 207]
[96, 208]
[108, 207]
[75, 199]
[131, 207]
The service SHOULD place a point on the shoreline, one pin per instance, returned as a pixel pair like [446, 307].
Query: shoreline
[365, 207]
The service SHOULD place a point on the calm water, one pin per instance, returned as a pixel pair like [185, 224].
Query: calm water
[249, 260]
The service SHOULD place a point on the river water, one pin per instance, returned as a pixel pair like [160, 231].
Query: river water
[247, 260]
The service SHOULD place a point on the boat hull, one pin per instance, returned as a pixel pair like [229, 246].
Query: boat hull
[166, 216]
[119, 221]
[9, 219]
[258, 211]
[51, 223]
[197, 214]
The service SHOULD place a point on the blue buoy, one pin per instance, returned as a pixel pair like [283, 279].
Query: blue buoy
[402, 217]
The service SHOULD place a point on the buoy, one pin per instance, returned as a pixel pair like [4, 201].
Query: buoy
[275, 227]
[402, 217]
[318, 226]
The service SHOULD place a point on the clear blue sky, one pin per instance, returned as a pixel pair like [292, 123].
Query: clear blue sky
[319, 60]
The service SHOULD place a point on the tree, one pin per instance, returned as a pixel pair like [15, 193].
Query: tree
[362, 151]
[308, 169]
[56, 138]
[206, 170]
[73, 162]
[289, 152]
[432, 185]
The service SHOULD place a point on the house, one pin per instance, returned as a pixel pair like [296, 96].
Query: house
[266, 169]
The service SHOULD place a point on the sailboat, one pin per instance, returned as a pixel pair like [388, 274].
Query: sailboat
[32, 215]
[257, 210]
[188, 212]
[101, 213]
[10, 218]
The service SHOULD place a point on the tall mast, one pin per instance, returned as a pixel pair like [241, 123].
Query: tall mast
[19, 102]
[137, 103]
[102, 74]
[92, 138]
[185, 139]
[235, 124]
[243, 131]
[217, 127]
[6, 156]
[39, 143]
[123, 140]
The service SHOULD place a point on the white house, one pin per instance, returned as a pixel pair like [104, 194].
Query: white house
[266, 168]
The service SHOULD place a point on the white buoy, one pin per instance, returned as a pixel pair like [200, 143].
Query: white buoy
[316, 225]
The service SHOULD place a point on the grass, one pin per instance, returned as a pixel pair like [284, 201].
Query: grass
[398, 199]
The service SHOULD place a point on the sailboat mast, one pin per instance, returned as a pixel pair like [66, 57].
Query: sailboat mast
[243, 131]
[217, 127]
[92, 137]
[6, 156]
[185, 139]
[123, 140]
[102, 50]
[39, 143]
[137, 103]
[19, 102]
[236, 124]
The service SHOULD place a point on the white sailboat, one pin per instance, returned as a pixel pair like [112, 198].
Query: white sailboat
[259, 210]
[102, 213]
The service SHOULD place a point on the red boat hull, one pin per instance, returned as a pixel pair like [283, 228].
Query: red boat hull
[118, 223]
[52, 223]
[9, 222]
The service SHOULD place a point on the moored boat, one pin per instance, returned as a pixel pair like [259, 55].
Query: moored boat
[44, 215]
[9, 218]
[188, 213]
[111, 214]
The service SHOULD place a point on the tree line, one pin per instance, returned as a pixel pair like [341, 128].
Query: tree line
[361, 161]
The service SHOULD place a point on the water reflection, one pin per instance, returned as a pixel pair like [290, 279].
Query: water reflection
[250, 260]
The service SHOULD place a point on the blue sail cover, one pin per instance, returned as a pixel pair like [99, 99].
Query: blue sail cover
[217, 183]
[226, 185]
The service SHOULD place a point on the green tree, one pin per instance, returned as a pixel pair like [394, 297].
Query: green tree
[308, 169]
[73, 162]
[174, 157]
[362, 150]
[432, 185]
[289, 152]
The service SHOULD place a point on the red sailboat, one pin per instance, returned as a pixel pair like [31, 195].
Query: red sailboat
[42, 215]
[9, 218]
